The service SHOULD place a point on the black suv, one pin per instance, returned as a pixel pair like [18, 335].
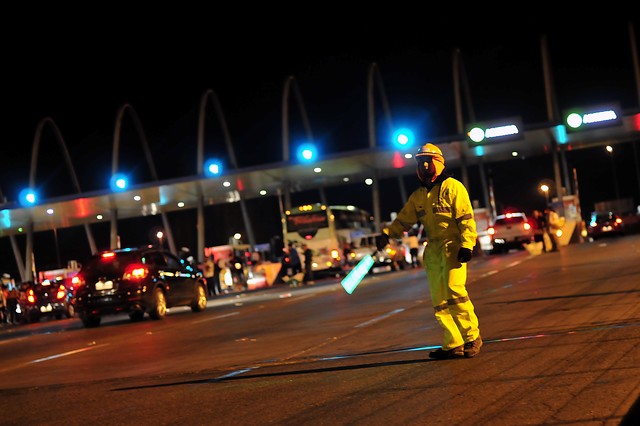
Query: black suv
[136, 280]
[46, 299]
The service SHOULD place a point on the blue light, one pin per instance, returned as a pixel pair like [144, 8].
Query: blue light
[213, 167]
[479, 151]
[307, 153]
[118, 182]
[560, 132]
[403, 138]
[27, 197]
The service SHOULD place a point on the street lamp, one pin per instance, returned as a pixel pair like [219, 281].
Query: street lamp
[545, 188]
[609, 149]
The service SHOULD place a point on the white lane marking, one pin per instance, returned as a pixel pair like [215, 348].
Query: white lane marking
[486, 274]
[380, 318]
[66, 353]
[216, 317]
[297, 298]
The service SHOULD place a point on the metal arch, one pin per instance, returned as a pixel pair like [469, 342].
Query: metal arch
[114, 169]
[288, 83]
[28, 273]
[210, 94]
[374, 72]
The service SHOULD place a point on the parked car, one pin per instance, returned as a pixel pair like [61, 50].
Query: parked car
[509, 231]
[50, 298]
[136, 281]
[604, 224]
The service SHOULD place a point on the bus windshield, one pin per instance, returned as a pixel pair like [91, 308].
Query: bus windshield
[327, 230]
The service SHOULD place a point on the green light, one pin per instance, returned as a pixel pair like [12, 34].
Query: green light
[574, 120]
[476, 134]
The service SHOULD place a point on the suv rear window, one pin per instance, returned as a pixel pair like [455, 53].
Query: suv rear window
[513, 220]
[113, 265]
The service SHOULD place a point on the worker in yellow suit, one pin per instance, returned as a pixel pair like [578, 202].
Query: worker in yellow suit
[442, 205]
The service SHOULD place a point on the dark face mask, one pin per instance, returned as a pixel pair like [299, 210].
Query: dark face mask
[425, 169]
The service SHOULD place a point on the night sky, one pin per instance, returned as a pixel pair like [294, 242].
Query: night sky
[80, 71]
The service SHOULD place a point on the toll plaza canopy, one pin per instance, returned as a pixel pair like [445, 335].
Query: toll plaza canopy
[247, 183]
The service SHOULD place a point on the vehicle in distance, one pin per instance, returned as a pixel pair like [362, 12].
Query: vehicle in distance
[136, 281]
[510, 231]
[366, 245]
[50, 298]
[604, 224]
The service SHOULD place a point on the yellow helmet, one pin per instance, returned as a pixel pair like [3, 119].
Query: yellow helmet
[431, 150]
[437, 162]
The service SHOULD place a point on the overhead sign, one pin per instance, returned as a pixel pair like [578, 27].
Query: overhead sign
[585, 118]
[495, 131]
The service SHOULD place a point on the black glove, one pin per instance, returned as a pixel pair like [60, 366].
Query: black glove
[464, 255]
[381, 241]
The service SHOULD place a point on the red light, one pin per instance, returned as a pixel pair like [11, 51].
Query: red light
[636, 121]
[77, 281]
[108, 255]
[526, 226]
[508, 215]
[31, 297]
[491, 231]
[398, 161]
[135, 272]
[618, 220]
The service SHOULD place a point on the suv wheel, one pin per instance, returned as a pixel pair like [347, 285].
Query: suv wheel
[90, 321]
[136, 315]
[200, 302]
[159, 308]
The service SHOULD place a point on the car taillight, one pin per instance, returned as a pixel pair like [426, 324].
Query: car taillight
[108, 255]
[618, 220]
[135, 272]
[526, 226]
[77, 281]
[31, 296]
[491, 231]
[61, 293]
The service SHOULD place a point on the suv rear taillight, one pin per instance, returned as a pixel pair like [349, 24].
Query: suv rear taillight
[31, 296]
[61, 293]
[135, 272]
[526, 226]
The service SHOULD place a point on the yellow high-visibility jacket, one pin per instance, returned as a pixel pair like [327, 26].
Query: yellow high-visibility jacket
[445, 211]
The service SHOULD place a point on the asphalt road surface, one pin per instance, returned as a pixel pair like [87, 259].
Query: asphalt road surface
[561, 333]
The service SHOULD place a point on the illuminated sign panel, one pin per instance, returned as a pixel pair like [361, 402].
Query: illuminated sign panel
[496, 131]
[577, 119]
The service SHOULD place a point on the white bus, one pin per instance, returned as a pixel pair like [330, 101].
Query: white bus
[328, 231]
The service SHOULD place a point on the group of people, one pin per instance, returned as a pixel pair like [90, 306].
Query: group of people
[293, 271]
[215, 272]
[545, 226]
[9, 299]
